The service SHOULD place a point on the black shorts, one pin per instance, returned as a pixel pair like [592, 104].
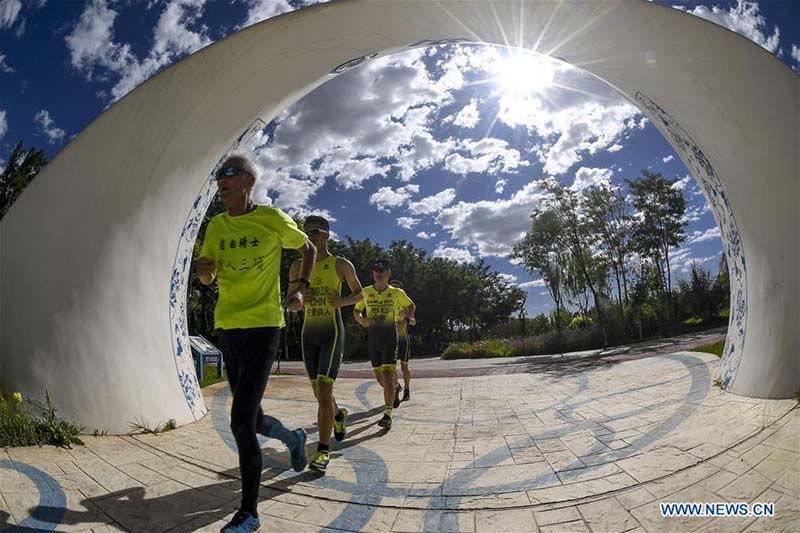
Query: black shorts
[403, 347]
[382, 346]
[322, 348]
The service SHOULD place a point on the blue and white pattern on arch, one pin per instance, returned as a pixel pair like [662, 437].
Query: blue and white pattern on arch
[714, 191]
[184, 363]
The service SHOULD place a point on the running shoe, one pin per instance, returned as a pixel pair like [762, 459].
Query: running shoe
[397, 389]
[340, 426]
[242, 522]
[298, 451]
[385, 422]
[321, 460]
[406, 394]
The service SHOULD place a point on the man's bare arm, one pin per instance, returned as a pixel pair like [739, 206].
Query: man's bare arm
[346, 270]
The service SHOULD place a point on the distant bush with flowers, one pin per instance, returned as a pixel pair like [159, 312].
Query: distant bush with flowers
[550, 343]
[26, 423]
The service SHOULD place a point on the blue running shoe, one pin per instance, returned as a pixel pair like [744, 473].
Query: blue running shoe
[298, 451]
[242, 522]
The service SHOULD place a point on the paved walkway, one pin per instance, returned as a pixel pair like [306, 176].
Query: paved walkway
[589, 448]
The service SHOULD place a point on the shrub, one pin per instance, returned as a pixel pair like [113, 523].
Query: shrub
[550, 343]
[580, 322]
[27, 423]
[693, 321]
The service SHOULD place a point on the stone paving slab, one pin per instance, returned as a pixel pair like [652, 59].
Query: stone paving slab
[594, 449]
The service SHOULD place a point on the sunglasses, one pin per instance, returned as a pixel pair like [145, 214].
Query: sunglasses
[378, 269]
[227, 172]
[315, 231]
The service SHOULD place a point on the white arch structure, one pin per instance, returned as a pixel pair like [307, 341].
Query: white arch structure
[95, 253]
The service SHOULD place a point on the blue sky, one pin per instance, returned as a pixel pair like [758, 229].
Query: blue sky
[435, 146]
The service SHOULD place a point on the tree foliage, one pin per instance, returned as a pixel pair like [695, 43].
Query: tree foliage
[606, 257]
[23, 165]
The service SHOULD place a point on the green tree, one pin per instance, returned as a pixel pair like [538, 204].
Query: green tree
[658, 224]
[577, 239]
[722, 284]
[609, 218]
[540, 252]
[699, 294]
[20, 170]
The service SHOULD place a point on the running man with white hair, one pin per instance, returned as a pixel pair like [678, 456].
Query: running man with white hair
[242, 251]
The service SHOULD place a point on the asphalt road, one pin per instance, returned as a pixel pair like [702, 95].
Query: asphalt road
[436, 367]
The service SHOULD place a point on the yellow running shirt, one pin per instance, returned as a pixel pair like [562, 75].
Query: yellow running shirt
[246, 250]
[324, 282]
[382, 306]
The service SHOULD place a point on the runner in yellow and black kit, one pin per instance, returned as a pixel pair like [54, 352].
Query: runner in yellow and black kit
[403, 350]
[322, 341]
[383, 305]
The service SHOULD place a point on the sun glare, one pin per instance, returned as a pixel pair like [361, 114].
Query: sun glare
[521, 74]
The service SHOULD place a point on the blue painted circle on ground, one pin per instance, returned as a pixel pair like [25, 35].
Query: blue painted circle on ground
[52, 500]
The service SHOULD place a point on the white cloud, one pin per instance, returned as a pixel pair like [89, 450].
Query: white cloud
[531, 284]
[469, 116]
[577, 130]
[744, 18]
[614, 148]
[407, 222]
[500, 186]
[368, 122]
[426, 235]
[508, 278]
[493, 226]
[354, 172]
[423, 152]
[796, 56]
[459, 255]
[432, 204]
[3, 123]
[386, 197]
[4, 67]
[678, 258]
[93, 49]
[682, 183]
[591, 177]
[489, 156]
[707, 235]
[9, 9]
[686, 265]
[667, 159]
[694, 213]
[258, 10]
[47, 127]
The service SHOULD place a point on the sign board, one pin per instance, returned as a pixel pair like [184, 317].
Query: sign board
[205, 353]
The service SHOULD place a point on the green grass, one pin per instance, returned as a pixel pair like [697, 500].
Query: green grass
[715, 348]
[210, 376]
[140, 427]
[27, 423]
